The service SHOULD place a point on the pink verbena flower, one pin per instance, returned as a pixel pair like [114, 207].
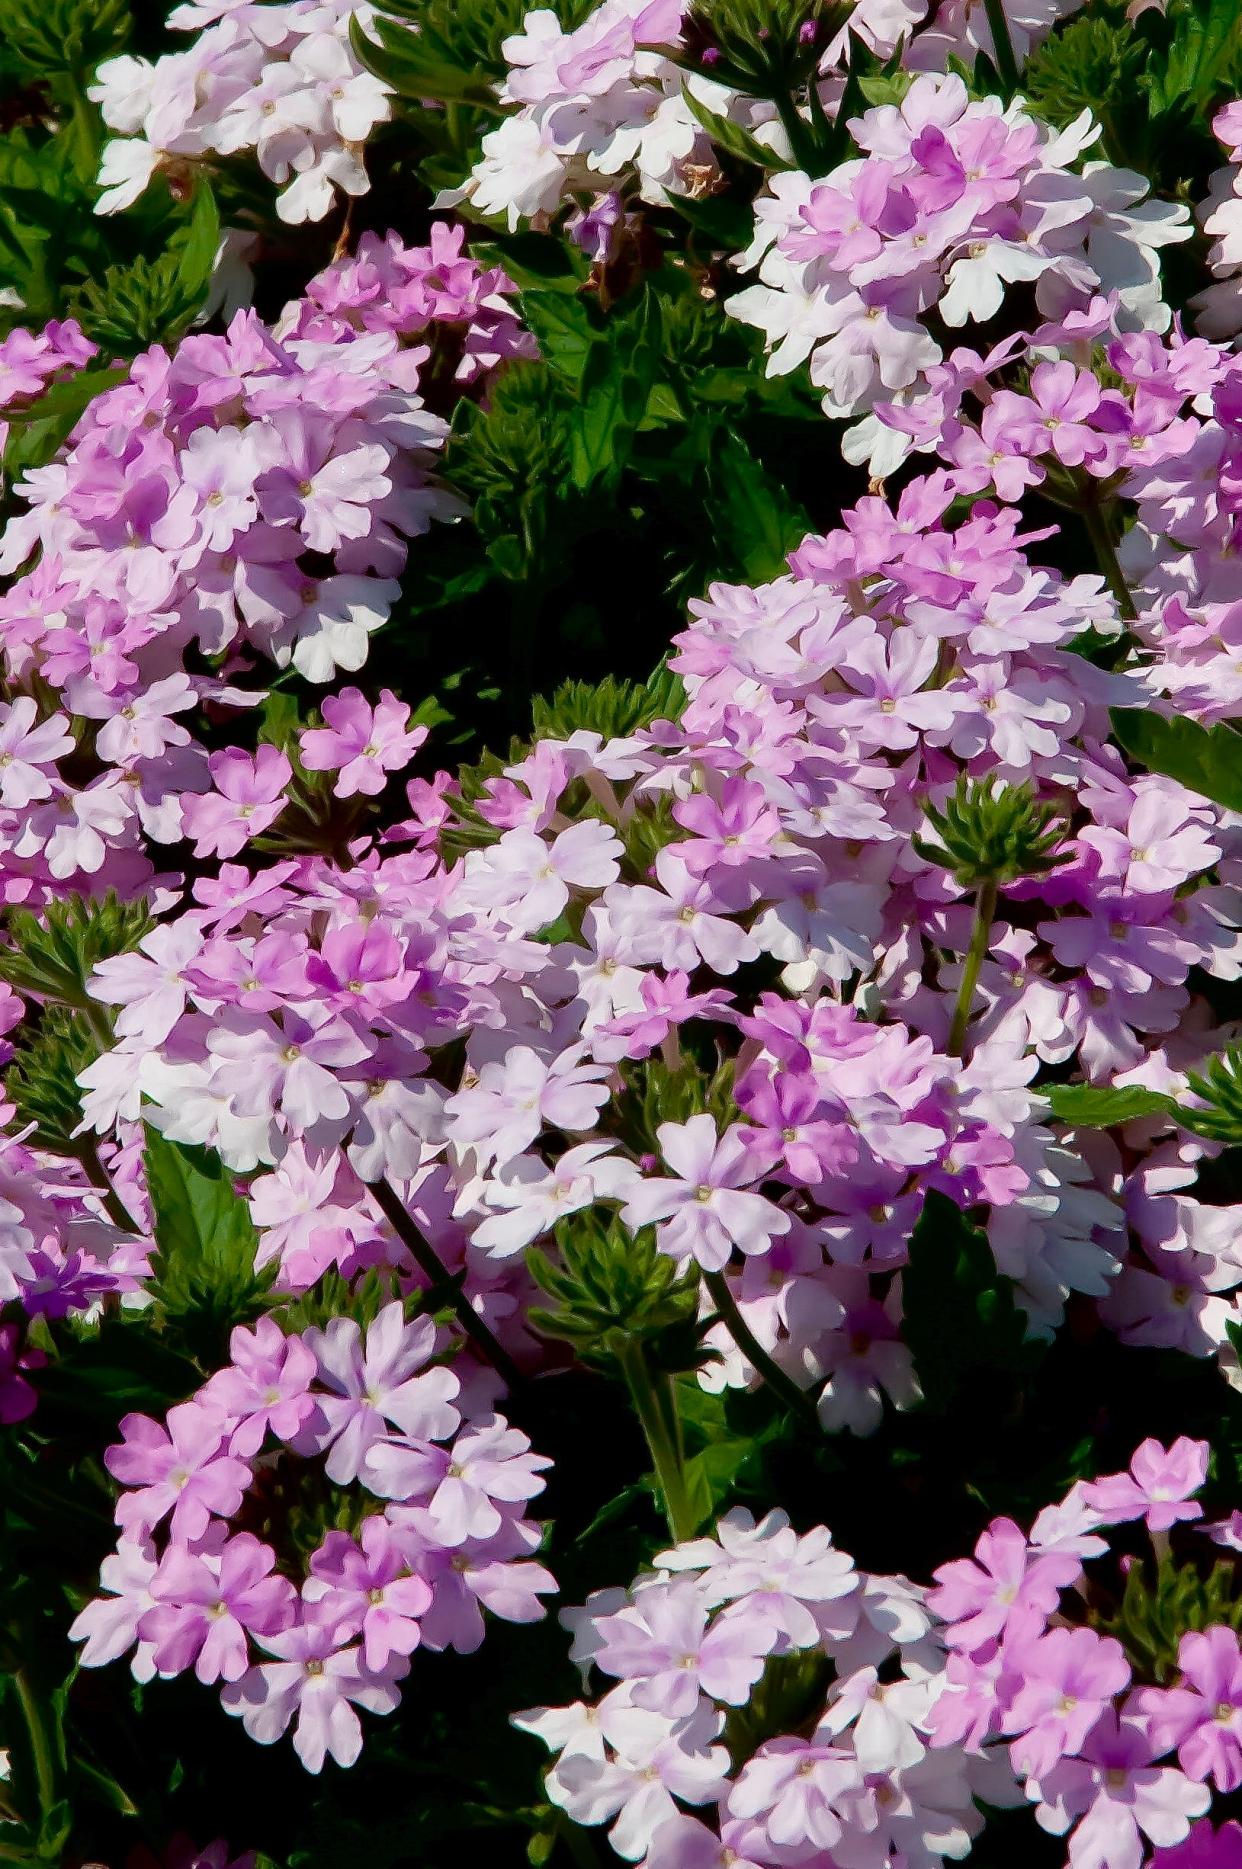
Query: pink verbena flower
[709, 1207]
[367, 1386]
[360, 743]
[249, 795]
[1157, 1487]
[1202, 1715]
[181, 1468]
[1004, 1589]
[205, 1603]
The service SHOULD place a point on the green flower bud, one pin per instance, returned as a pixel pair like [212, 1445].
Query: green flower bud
[989, 831]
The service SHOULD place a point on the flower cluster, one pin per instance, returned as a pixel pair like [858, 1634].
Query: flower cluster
[752, 1617]
[601, 112]
[279, 81]
[247, 492]
[439, 1533]
[953, 201]
[1090, 1721]
[1217, 305]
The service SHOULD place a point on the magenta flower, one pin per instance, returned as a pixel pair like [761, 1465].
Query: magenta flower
[709, 1207]
[1157, 1487]
[265, 1387]
[373, 1386]
[205, 1604]
[1068, 1676]
[1202, 1715]
[1204, 1848]
[663, 1646]
[360, 743]
[314, 1679]
[1114, 1796]
[1004, 1589]
[249, 795]
[17, 1398]
[369, 1591]
[182, 1469]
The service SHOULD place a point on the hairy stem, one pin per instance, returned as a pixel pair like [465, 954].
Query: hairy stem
[1094, 519]
[97, 1175]
[443, 1283]
[782, 1386]
[654, 1411]
[985, 914]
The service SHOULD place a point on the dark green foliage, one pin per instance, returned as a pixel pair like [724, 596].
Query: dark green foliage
[1089, 1106]
[41, 1082]
[612, 1289]
[992, 832]
[1219, 1087]
[1156, 1612]
[1207, 759]
[204, 1279]
[959, 1311]
[610, 707]
[152, 301]
[656, 1094]
[53, 954]
[45, 38]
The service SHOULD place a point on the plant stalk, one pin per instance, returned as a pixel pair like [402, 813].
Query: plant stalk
[653, 1411]
[1106, 557]
[985, 914]
[411, 1235]
[782, 1386]
[40, 1741]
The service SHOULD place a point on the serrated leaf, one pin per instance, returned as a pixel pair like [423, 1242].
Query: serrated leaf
[394, 53]
[1091, 1106]
[613, 393]
[732, 138]
[203, 1272]
[1208, 760]
[751, 511]
[37, 432]
[959, 1314]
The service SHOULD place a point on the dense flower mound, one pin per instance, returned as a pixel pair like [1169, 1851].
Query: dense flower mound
[449, 1540]
[806, 1708]
[621, 896]
[279, 81]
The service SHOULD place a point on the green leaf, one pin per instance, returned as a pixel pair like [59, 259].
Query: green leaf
[563, 327]
[959, 1314]
[204, 1276]
[1089, 1106]
[37, 432]
[732, 138]
[751, 510]
[613, 394]
[1207, 39]
[398, 56]
[1206, 759]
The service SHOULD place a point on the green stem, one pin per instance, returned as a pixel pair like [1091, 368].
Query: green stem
[652, 1411]
[782, 1386]
[444, 1283]
[985, 914]
[40, 1741]
[801, 141]
[1006, 63]
[1106, 557]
